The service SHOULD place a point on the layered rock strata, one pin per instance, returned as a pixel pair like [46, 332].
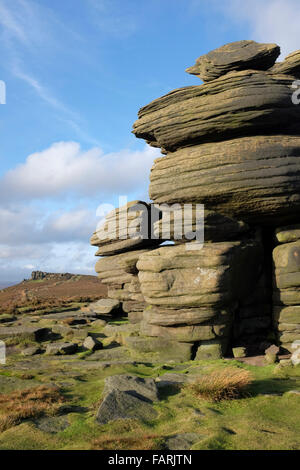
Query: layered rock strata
[121, 239]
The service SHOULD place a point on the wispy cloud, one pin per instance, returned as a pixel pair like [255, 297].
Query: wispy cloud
[17, 36]
[11, 22]
[64, 169]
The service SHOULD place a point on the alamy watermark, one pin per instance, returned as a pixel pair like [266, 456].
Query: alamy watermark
[184, 222]
[2, 92]
[296, 94]
[2, 353]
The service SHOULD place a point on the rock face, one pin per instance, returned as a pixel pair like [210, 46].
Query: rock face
[255, 179]
[290, 66]
[123, 405]
[286, 281]
[194, 294]
[240, 55]
[124, 229]
[238, 104]
[145, 389]
[231, 153]
[125, 234]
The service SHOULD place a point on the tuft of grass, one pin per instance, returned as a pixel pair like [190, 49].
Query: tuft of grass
[30, 403]
[224, 384]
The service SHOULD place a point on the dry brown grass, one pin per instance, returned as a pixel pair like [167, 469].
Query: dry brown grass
[30, 403]
[143, 442]
[127, 434]
[226, 384]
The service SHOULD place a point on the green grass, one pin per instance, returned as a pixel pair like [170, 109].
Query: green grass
[260, 420]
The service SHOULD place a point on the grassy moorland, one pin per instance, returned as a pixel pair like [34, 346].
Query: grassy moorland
[50, 401]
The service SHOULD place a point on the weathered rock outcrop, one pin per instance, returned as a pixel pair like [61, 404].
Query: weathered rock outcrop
[231, 152]
[194, 294]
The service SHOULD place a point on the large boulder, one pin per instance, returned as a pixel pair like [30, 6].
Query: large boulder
[143, 388]
[238, 104]
[218, 274]
[24, 333]
[239, 55]
[54, 349]
[255, 179]
[106, 306]
[122, 405]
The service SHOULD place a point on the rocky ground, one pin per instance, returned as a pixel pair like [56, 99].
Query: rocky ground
[70, 382]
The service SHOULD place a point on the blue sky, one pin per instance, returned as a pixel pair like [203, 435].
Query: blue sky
[76, 73]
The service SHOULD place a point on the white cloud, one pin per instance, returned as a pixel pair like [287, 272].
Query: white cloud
[74, 257]
[37, 230]
[28, 226]
[64, 169]
[269, 20]
[29, 266]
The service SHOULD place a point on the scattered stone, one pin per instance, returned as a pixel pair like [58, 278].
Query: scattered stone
[75, 321]
[6, 318]
[272, 354]
[239, 352]
[105, 306]
[92, 344]
[79, 334]
[23, 332]
[114, 354]
[61, 348]
[122, 405]
[210, 350]
[99, 323]
[31, 351]
[182, 441]
[143, 388]
[293, 392]
[171, 380]
[62, 330]
[52, 424]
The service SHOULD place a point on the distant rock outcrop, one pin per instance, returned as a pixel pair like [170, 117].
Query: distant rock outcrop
[40, 275]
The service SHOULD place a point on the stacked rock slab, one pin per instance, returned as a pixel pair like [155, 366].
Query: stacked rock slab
[233, 145]
[286, 295]
[192, 295]
[121, 239]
